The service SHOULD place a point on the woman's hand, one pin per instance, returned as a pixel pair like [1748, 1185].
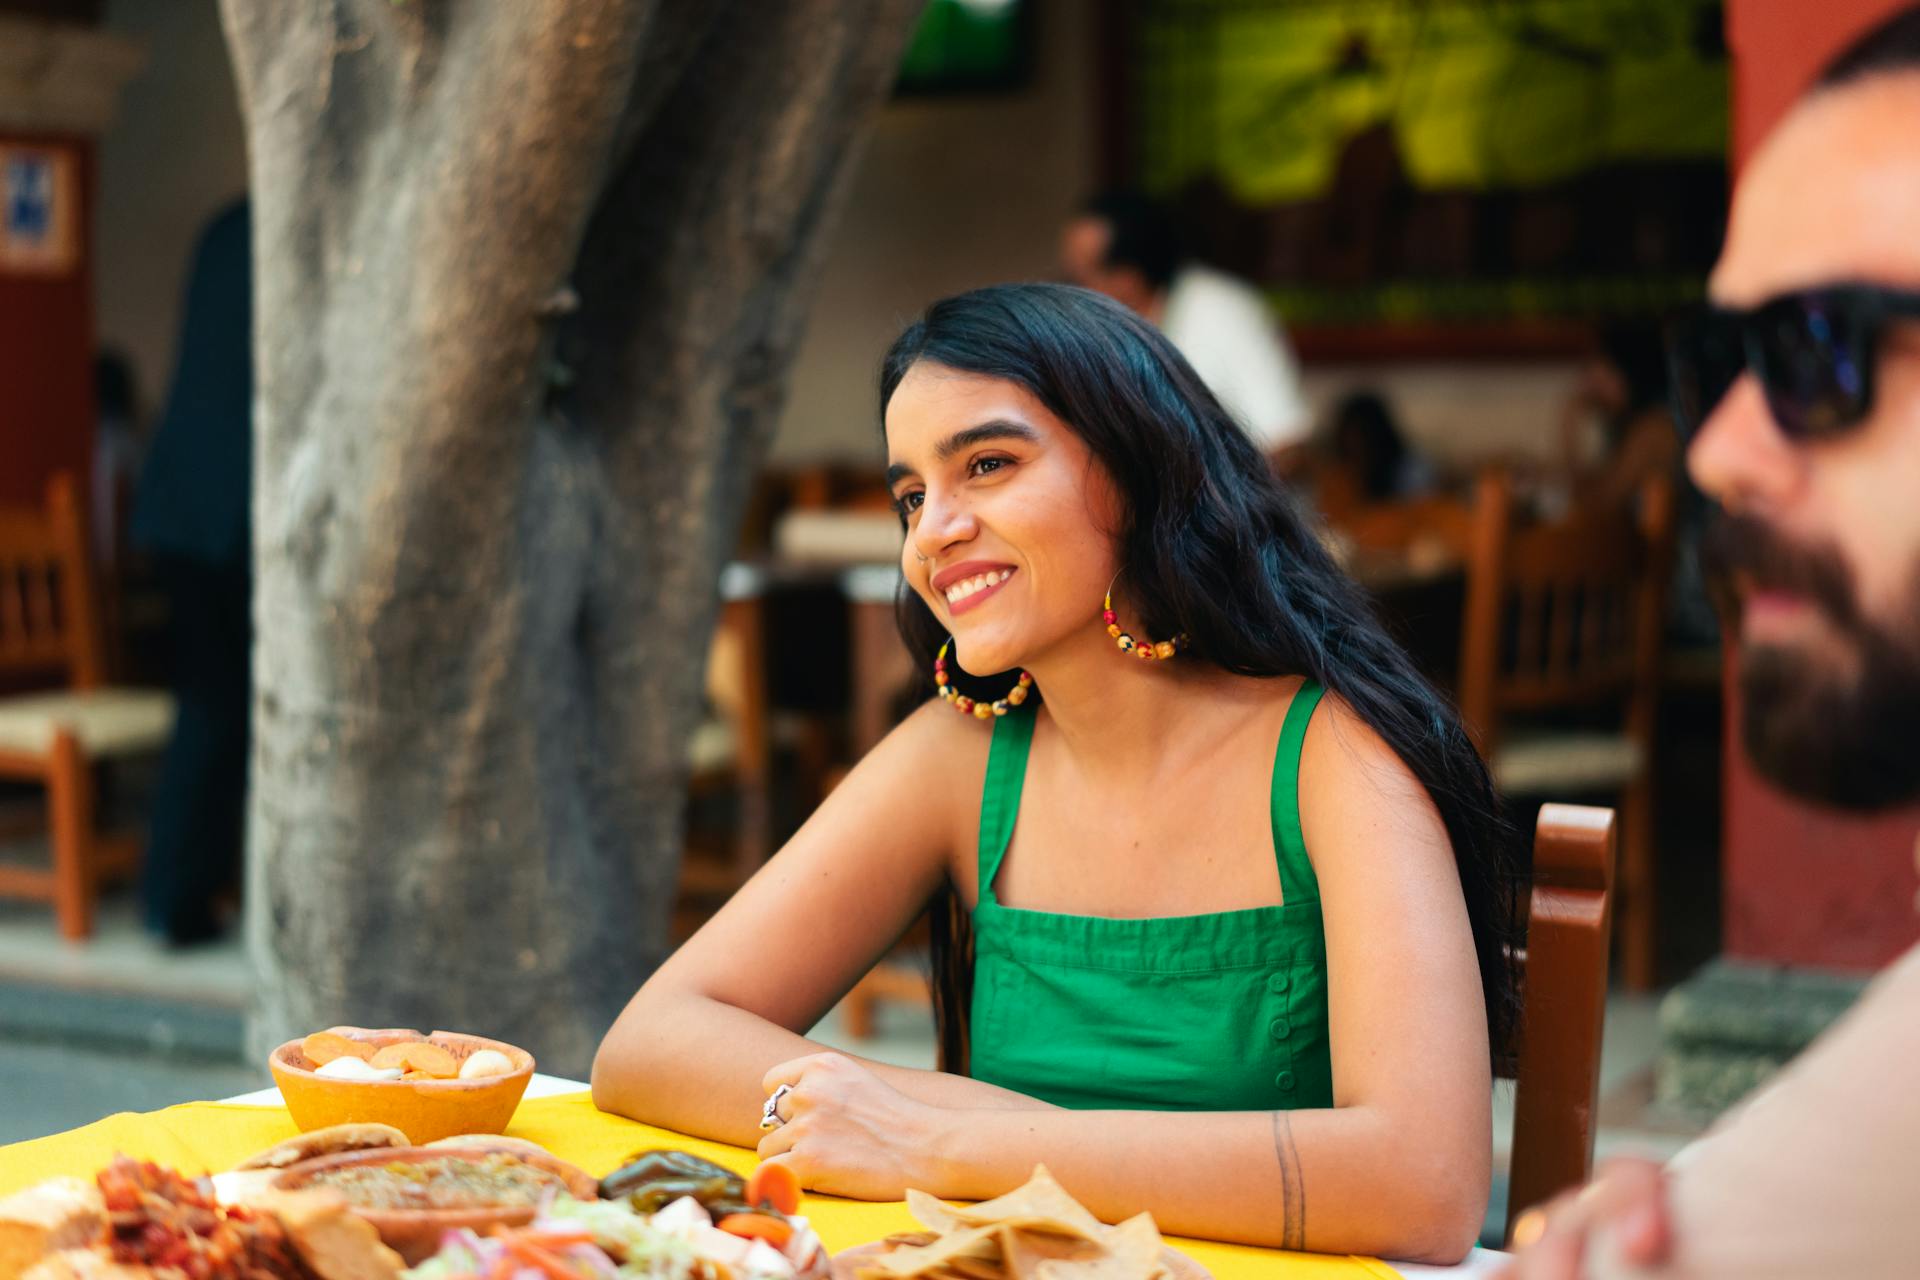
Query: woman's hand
[850, 1133]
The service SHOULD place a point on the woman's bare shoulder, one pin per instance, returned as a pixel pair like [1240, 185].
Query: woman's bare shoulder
[935, 732]
[937, 753]
[1344, 753]
[1358, 796]
[935, 762]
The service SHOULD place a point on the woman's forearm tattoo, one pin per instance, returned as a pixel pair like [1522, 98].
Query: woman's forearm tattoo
[1293, 1191]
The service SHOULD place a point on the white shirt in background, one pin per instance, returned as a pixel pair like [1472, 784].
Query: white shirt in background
[1229, 335]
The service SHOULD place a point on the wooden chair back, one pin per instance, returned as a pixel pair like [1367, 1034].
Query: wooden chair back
[1567, 612]
[1563, 1004]
[49, 607]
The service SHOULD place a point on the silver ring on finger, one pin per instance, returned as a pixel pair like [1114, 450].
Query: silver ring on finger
[770, 1117]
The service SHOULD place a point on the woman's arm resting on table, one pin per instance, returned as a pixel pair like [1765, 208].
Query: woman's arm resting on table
[691, 1048]
[1399, 1167]
[1241, 1176]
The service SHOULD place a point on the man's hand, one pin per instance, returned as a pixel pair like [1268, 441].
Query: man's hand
[1626, 1203]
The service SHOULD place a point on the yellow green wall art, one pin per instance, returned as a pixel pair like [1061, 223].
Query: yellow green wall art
[1419, 159]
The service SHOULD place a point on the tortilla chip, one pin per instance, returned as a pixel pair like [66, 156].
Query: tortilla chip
[948, 1270]
[1135, 1241]
[1106, 1265]
[1041, 1205]
[912, 1237]
[1024, 1251]
[978, 1268]
[969, 1242]
[931, 1213]
[1035, 1232]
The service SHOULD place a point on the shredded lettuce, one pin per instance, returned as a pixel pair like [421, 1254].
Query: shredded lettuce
[649, 1252]
[461, 1253]
[669, 1245]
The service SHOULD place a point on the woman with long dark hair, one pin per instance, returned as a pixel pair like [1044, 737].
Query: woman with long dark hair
[1221, 904]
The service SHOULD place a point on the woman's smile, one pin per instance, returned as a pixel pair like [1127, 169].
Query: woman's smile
[966, 586]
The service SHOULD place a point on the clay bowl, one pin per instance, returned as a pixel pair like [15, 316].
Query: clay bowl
[415, 1234]
[425, 1110]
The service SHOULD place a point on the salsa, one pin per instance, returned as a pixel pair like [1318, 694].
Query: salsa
[446, 1182]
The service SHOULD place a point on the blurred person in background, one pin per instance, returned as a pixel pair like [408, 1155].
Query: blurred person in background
[192, 515]
[1620, 398]
[116, 451]
[1368, 448]
[1126, 246]
[1803, 382]
[1624, 398]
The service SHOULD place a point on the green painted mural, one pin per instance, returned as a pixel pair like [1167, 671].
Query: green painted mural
[1383, 160]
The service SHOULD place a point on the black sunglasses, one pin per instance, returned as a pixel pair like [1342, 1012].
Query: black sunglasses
[1813, 351]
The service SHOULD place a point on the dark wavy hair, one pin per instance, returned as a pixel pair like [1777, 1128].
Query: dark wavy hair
[1211, 545]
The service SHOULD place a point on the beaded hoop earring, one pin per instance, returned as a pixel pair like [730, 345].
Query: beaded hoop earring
[1146, 650]
[967, 706]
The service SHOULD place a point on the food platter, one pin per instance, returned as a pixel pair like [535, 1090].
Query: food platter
[663, 1215]
[414, 1195]
[363, 1200]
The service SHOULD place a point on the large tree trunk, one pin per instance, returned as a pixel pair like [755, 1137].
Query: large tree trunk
[528, 279]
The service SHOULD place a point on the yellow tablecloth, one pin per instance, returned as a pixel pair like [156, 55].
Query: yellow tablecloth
[213, 1136]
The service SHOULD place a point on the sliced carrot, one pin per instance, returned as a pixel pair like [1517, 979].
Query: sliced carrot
[776, 1186]
[551, 1239]
[323, 1047]
[432, 1059]
[393, 1055]
[757, 1226]
[534, 1256]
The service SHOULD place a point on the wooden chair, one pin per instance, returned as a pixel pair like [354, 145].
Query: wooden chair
[1562, 615]
[50, 627]
[1567, 615]
[1555, 1064]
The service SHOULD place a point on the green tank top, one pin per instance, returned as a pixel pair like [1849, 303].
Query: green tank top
[1223, 1012]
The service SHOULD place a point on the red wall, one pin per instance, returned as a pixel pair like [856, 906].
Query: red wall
[1778, 47]
[46, 358]
[1803, 885]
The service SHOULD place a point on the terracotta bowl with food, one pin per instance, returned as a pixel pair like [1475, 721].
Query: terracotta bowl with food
[413, 1195]
[427, 1099]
